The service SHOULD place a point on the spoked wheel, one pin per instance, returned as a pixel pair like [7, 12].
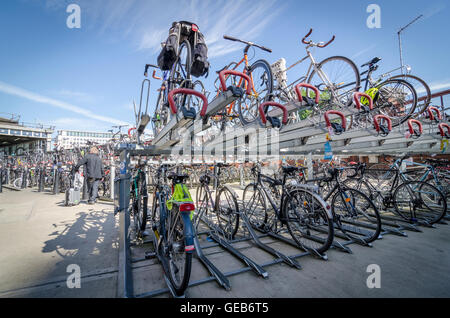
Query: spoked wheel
[227, 212]
[422, 90]
[140, 205]
[356, 215]
[202, 205]
[419, 201]
[178, 261]
[343, 77]
[396, 99]
[307, 220]
[261, 75]
[180, 75]
[254, 206]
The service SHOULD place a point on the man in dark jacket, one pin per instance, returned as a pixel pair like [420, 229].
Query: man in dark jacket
[93, 172]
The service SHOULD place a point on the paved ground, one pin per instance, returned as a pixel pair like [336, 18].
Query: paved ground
[40, 238]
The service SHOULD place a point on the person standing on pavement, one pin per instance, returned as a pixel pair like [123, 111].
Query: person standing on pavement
[94, 172]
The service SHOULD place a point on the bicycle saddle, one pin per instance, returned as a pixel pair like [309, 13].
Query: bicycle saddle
[290, 169]
[178, 178]
[375, 60]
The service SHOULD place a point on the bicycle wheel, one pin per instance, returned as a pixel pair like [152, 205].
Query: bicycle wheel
[343, 78]
[396, 99]
[356, 215]
[227, 212]
[262, 85]
[180, 75]
[419, 201]
[422, 90]
[307, 220]
[140, 200]
[202, 206]
[178, 262]
[254, 204]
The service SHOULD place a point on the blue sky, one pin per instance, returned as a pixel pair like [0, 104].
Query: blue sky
[87, 78]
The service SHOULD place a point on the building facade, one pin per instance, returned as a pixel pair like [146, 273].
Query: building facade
[68, 139]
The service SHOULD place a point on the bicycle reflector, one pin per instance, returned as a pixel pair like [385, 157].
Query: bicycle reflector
[186, 207]
[194, 28]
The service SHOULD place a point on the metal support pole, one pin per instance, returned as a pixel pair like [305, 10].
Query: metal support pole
[1, 180]
[112, 173]
[41, 179]
[310, 167]
[85, 186]
[24, 178]
[241, 175]
[56, 181]
[125, 280]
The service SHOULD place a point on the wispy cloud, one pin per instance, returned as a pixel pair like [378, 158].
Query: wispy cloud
[439, 85]
[23, 93]
[79, 124]
[364, 51]
[136, 20]
[434, 9]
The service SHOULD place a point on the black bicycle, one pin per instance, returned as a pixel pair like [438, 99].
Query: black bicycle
[223, 204]
[354, 213]
[306, 215]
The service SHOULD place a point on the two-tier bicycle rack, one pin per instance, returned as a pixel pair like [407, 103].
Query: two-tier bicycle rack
[302, 138]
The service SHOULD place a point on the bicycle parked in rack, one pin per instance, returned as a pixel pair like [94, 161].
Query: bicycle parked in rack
[394, 97]
[260, 73]
[221, 202]
[354, 213]
[335, 78]
[172, 212]
[391, 189]
[307, 217]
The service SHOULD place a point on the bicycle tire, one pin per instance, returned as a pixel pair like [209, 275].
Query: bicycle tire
[253, 109]
[179, 279]
[350, 222]
[140, 202]
[384, 102]
[354, 82]
[436, 214]
[427, 92]
[258, 217]
[312, 228]
[227, 217]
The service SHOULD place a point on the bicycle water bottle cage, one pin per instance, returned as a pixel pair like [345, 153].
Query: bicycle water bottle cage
[274, 121]
[337, 128]
[237, 91]
[189, 113]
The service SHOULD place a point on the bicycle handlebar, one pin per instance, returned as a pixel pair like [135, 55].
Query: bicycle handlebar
[230, 38]
[273, 104]
[299, 94]
[236, 73]
[187, 91]
[156, 77]
[310, 42]
[147, 66]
